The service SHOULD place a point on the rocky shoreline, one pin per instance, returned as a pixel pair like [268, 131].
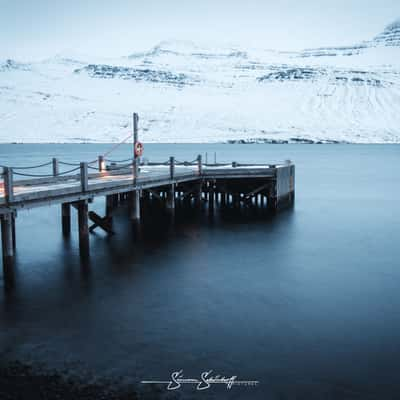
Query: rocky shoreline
[23, 382]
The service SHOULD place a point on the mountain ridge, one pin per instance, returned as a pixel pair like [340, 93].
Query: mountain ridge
[187, 92]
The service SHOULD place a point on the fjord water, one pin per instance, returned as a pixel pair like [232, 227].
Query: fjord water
[306, 302]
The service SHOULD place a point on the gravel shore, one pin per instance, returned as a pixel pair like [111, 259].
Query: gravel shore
[23, 382]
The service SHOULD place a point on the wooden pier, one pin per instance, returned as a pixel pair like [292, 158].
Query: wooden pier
[194, 183]
[234, 184]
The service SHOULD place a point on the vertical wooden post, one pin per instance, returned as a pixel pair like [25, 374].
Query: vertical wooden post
[135, 195]
[199, 194]
[101, 163]
[199, 165]
[109, 204]
[172, 167]
[135, 169]
[83, 229]
[14, 236]
[223, 199]
[56, 169]
[211, 198]
[7, 243]
[66, 218]
[84, 176]
[236, 200]
[135, 137]
[8, 184]
[135, 206]
[171, 192]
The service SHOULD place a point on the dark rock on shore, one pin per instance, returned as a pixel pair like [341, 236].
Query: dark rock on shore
[22, 382]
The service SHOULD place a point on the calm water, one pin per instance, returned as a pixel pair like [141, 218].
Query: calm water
[308, 303]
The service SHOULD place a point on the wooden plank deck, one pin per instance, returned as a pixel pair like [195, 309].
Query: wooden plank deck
[29, 193]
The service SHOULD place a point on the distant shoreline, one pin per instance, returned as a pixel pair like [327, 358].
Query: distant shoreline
[232, 141]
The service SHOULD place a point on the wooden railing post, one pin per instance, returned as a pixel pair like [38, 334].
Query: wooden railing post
[135, 169]
[172, 167]
[8, 184]
[135, 194]
[55, 167]
[199, 164]
[101, 163]
[84, 176]
[171, 191]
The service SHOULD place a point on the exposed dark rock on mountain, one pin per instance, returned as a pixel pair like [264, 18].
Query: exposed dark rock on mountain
[390, 36]
[110, 72]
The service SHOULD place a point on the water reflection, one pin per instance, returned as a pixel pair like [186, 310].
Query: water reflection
[302, 301]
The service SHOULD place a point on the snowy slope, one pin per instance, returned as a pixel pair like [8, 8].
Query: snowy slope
[185, 92]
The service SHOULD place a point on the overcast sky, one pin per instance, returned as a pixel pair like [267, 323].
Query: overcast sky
[34, 29]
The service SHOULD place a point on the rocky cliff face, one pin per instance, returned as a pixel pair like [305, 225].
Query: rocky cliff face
[390, 36]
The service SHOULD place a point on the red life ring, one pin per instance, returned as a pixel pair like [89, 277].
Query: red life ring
[138, 149]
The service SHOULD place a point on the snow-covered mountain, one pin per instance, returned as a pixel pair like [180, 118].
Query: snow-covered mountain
[185, 92]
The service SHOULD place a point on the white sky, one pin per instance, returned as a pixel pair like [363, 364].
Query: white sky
[35, 29]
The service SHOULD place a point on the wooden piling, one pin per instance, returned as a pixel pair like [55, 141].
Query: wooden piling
[211, 198]
[135, 206]
[223, 199]
[8, 247]
[14, 235]
[66, 218]
[109, 209]
[83, 226]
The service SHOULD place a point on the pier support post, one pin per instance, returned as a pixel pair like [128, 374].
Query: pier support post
[66, 218]
[83, 224]
[109, 205]
[8, 247]
[171, 199]
[109, 209]
[135, 206]
[236, 200]
[211, 198]
[199, 194]
[14, 236]
[223, 199]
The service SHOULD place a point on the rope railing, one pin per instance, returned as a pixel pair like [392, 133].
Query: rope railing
[68, 163]
[30, 166]
[46, 175]
[32, 175]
